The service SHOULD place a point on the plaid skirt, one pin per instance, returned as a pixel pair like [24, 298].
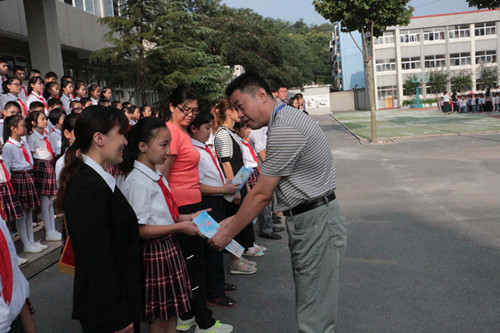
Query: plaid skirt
[45, 178]
[252, 180]
[167, 287]
[23, 183]
[11, 205]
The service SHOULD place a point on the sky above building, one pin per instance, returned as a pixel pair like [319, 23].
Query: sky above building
[293, 10]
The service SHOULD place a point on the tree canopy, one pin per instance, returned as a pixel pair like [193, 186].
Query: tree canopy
[481, 4]
[171, 42]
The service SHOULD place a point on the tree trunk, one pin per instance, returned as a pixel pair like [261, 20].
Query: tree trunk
[371, 88]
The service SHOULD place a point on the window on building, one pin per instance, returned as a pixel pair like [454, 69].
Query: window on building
[384, 65]
[486, 57]
[431, 34]
[409, 36]
[460, 59]
[435, 61]
[410, 63]
[86, 5]
[386, 38]
[484, 29]
[459, 31]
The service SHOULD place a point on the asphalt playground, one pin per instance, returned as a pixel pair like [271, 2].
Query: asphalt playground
[423, 245]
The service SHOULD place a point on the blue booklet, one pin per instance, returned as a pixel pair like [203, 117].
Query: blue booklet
[241, 178]
[208, 227]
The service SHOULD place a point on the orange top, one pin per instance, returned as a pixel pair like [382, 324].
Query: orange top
[184, 177]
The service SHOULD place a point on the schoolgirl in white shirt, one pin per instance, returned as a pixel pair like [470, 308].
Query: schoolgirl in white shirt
[19, 162]
[43, 168]
[166, 282]
[94, 92]
[67, 95]
[36, 85]
[12, 93]
[56, 118]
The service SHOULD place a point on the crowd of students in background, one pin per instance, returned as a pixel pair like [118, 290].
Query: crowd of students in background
[191, 151]
[487, 102]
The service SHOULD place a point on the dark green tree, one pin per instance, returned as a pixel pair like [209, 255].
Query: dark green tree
[370, 18]
[480, 4]
[410, 86]
[162, 42]
[438, 80]
[461, 81]
[487, 76]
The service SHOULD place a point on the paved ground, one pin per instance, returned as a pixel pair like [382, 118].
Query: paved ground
[423, 249]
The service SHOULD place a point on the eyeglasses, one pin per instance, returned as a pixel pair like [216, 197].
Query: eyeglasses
[187, 111]
[15, 84]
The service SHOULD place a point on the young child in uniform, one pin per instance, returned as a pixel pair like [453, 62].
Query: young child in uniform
[166, 283]
[43, 168]
[36, 85]
[18, 160]
[213, 185]
[67, 95]
[56, 118]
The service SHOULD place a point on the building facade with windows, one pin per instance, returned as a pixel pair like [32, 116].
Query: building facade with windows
[454, 43]
[59, 36]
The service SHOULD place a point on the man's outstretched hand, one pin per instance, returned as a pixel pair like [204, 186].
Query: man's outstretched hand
[223, 236]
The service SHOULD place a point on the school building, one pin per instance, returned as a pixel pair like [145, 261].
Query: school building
[59, 36]
[452, 42]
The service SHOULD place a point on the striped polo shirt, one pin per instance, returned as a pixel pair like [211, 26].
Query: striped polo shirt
[297, 151]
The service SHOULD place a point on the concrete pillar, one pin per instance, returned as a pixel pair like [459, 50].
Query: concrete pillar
[43, 36]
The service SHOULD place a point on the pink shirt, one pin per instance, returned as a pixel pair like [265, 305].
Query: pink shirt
[184, 178]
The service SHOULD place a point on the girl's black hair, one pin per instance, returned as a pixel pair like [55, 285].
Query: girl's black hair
[9, 122]
[92, 120]
[48, 87]
[69, 125]
[55, 115]
[202, 118]
[9, 81]
[180, 96]
[34, 80]
[130, 109]
[144, 131]
[101, 95]
[142, 109]
[92, 88]
[32, 117]
[65, 83]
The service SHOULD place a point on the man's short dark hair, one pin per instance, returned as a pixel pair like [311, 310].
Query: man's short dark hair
[34, 70]
[115, 104]
[3, 61]
[248, 83]
[18, 68]
[50, 74]
[73, 103]
[10, 104]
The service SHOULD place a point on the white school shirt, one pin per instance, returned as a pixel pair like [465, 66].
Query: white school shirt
[209, 174]
[94, 101]
[34, 97]
[106, 176]
[144, 194]
[248, 160]
[13, 156]
[24, 93]
[9, 97]
[258, 139]
[66, 102]
[3, 176]
[20, 288]
[55, 139]
[39, 146]
[58, 168]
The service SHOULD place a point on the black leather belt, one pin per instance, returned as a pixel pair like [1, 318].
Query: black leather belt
[311, 204]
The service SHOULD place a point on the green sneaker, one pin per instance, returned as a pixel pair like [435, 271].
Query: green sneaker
[217, 328]
[185, 325]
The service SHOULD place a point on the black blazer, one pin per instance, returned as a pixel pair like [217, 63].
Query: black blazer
[105, 236]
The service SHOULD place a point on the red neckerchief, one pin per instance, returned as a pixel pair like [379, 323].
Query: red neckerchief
[169, 198]
[5, 267]
[251, 152]
[25, 152]
[7, 177]
[48, 145]
[209, 151]
[41, 99]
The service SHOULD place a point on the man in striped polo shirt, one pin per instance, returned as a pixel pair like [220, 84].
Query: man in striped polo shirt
[300, 169]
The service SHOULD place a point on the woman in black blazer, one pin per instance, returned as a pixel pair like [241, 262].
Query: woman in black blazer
[107, 295]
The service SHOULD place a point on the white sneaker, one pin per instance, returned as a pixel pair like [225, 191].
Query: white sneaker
[40, 245]
[253, 251]
[32, 249]
[21, 261]
[217, 328]
[185, 325]
[53, 237]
